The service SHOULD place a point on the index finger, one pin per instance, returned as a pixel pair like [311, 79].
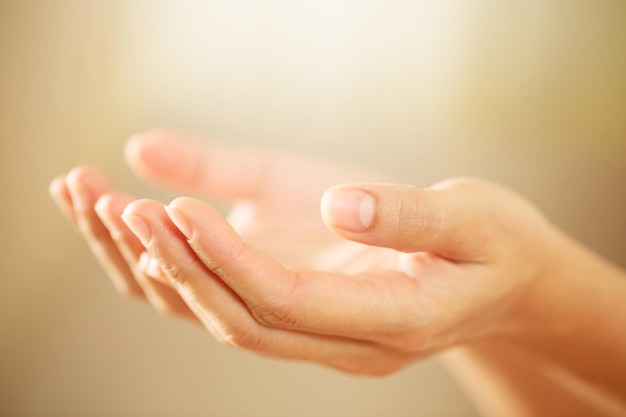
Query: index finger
[187, 163]
[230, 173]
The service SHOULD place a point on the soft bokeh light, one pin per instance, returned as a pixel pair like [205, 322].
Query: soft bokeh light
[531, 94]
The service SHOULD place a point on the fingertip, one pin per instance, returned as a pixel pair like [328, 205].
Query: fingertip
[112, 203]
[103, 205]
[134, 152]
[85, 174]
[150, 266]
[138, 207]
[183, 211]
[177, 202]
[109, 208]
[73, 179]
[348, 208]
[181, 221]
[133, 148]
[84, 185]
[83, 178]
[75, 173]
[193, 207]
[56, 186]
[57, 189]
[153, 153]
[61, 196]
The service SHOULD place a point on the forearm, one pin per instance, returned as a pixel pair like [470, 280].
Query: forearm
[575, 319]
[503, 381]
[564, 348]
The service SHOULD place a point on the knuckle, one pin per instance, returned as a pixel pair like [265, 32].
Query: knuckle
[277, 314]
[221, 269]
[411, 220]
[177, 274]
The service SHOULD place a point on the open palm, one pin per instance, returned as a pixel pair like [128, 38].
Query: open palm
[273, 198]
[276, 280]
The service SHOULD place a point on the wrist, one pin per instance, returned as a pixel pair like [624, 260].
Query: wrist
[571, 292]
[571, 320]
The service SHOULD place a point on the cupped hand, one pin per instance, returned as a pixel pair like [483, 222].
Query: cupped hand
[273, 198]
[406, 272]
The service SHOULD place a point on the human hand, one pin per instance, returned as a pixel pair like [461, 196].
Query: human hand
[273, 200]
[464, 255]
[435, 268]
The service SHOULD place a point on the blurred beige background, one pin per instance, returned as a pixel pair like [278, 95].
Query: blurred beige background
[531, 94]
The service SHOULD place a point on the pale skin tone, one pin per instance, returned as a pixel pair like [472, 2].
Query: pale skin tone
[532, 322]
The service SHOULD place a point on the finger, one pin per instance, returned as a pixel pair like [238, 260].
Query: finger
[189, 164]
[233, 173]
[228, 318]
[160, 295]
[108, 207]
[61, 196]
[153, 269]
[85, 186]
[364, 306]
[450, 223]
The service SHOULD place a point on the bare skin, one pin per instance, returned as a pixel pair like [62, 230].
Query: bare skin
[387, 274]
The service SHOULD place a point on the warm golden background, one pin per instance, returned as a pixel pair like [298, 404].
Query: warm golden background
[531, 94]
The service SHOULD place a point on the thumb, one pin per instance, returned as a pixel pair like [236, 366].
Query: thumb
[446, 220]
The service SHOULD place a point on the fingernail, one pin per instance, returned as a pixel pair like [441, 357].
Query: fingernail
[79, 182]
[149, 265]
[56, 186]
[180, 221]
[100, 208]
[144, 261]
[139, 226]
[153, 268]
[349, 209]
[155, 153]
[60, 195]
[81, 200]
